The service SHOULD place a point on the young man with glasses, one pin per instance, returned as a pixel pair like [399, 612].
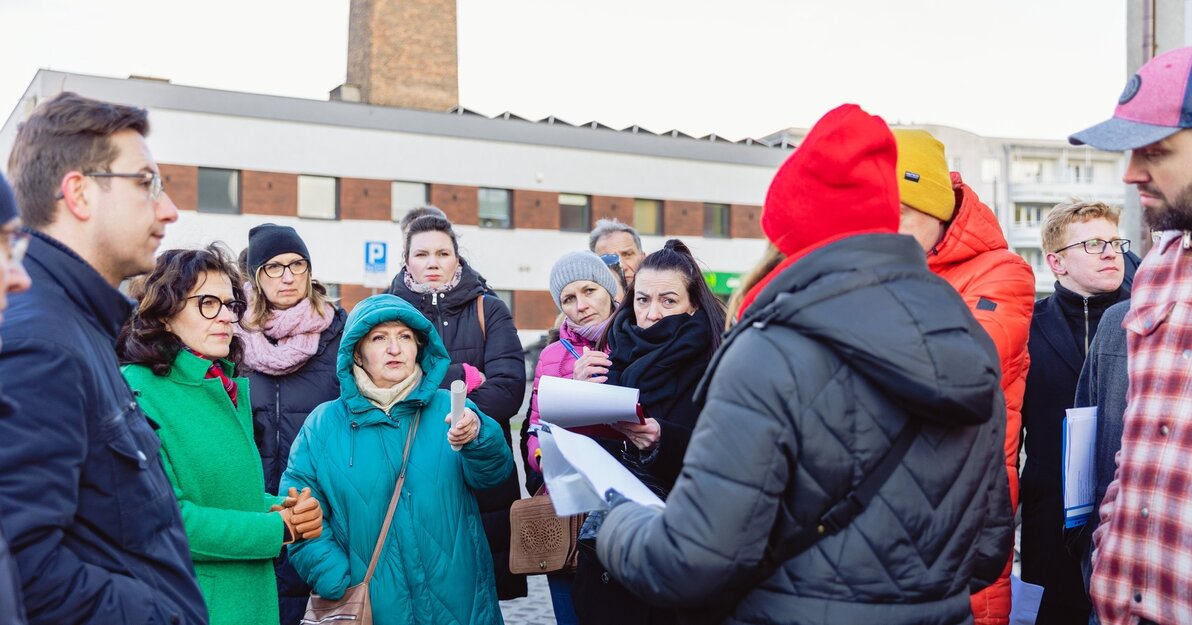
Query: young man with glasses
[91, 517]
[1087, 256]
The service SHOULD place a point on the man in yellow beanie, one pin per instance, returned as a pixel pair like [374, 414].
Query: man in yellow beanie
[965, 246]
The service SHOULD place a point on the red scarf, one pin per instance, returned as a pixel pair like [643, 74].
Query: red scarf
[217, 371]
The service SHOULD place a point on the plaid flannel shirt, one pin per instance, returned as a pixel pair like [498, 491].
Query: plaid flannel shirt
[1142, 566]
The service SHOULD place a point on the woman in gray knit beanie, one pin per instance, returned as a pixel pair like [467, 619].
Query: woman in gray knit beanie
[584, 289]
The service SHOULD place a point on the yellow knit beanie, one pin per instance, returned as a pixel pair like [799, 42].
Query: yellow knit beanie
[923, 179]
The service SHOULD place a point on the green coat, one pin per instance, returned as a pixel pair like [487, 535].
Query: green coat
[435, 567]
[210, 457]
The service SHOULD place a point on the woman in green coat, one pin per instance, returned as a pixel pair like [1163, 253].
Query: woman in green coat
[181, 357]
[435, 567]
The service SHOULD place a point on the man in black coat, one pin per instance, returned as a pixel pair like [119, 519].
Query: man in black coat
[1088, 259]
[87, 508]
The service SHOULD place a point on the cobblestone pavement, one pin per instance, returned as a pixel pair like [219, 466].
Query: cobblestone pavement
[534, 609]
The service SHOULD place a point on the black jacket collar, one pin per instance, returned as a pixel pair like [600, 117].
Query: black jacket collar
[52, 261]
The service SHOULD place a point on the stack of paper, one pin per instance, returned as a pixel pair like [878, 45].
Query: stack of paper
[578, 472]
[1080, 476]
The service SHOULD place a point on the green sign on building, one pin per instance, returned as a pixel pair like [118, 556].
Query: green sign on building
[722, 282]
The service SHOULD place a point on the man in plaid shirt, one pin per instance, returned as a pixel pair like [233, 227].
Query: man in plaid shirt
[1142, 558]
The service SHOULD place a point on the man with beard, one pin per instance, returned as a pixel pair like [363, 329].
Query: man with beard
[1142, 552]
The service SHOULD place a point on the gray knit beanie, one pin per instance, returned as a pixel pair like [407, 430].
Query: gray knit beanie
[580, 266]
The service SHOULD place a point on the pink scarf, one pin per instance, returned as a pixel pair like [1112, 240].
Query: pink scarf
[294, 333]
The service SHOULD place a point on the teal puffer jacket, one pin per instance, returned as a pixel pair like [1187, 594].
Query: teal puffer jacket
[435, 567]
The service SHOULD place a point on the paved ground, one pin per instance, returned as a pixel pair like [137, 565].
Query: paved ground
[532, 610]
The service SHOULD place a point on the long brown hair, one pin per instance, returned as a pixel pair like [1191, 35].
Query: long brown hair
[144, 339]
[771, 259]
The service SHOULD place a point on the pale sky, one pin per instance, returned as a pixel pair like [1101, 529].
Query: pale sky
[1011, 68]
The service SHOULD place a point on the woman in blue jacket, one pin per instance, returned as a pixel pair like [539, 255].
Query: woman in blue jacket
[435, 567]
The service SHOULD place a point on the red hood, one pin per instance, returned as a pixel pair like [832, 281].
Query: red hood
[974, 230]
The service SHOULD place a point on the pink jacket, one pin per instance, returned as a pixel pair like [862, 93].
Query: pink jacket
[554, 361]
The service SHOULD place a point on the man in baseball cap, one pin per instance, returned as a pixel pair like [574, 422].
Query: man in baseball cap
[1141, 548]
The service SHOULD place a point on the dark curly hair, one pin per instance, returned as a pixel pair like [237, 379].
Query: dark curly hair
[144, 339]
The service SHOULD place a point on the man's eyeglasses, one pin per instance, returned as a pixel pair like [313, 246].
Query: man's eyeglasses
[210, 306]
[16, 242]
[1097, 246]
[150, 178]
[297, 268]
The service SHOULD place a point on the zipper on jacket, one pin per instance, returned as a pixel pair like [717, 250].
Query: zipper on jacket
[277, 425]
[1086, 327]
[352, 450]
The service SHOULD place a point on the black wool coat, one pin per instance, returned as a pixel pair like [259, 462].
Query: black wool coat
[1056, 360]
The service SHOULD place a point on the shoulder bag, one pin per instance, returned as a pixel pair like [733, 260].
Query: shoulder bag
[355, 606]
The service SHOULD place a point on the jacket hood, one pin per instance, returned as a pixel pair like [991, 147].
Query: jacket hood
[432, 356]
[872, 301]
[974, 229]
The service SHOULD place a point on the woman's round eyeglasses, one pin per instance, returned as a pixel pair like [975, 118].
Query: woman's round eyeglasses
[210, 306]
[297, 268]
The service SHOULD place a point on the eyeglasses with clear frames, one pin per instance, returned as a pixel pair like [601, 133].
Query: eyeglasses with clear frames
[16, 242]
[151, 178]
[1097, 246]
[210, 306]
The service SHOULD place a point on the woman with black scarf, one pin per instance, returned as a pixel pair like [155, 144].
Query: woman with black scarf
[660, 342]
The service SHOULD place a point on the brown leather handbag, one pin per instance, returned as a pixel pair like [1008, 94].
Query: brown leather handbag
[541, 541]
[355, 606]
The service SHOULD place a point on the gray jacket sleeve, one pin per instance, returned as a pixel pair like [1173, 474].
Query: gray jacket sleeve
[719, 517]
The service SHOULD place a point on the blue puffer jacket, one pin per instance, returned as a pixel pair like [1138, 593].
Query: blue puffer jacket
[435, 567]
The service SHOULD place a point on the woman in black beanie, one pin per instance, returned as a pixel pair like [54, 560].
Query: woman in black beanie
[291, 335]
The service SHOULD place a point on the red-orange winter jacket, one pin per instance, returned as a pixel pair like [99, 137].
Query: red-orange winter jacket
[999, 287]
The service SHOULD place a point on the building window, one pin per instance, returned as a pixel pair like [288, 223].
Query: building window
[1081, 173]
[1033, 256]
[404, 196]
[647, 216]
[574, 212]
[505, 296]
[332, 289]
[1030, 215]
[716, 220]
[495, 208]
[219, 191]
[318, 197]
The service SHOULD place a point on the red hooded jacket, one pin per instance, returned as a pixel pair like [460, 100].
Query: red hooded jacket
[999, 287]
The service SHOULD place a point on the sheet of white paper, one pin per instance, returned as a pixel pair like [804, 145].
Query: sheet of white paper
[573, 403]
[1080, 477]
[578, 472]
[1025, 598]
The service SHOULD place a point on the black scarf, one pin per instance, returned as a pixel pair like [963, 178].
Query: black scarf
[664, 362]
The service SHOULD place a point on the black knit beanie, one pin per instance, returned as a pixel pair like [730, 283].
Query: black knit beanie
[268, 240]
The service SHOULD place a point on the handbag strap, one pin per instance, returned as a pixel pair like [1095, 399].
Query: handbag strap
[401, 479]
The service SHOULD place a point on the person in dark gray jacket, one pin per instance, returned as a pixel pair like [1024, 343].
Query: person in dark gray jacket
[841, 348]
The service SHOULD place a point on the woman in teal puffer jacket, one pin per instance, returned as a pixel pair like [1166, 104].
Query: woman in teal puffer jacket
[435, 567]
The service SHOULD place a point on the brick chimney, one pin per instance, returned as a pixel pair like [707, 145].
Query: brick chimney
[403, 53]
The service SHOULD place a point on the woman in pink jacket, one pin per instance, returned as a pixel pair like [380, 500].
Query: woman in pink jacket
[583, 288]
